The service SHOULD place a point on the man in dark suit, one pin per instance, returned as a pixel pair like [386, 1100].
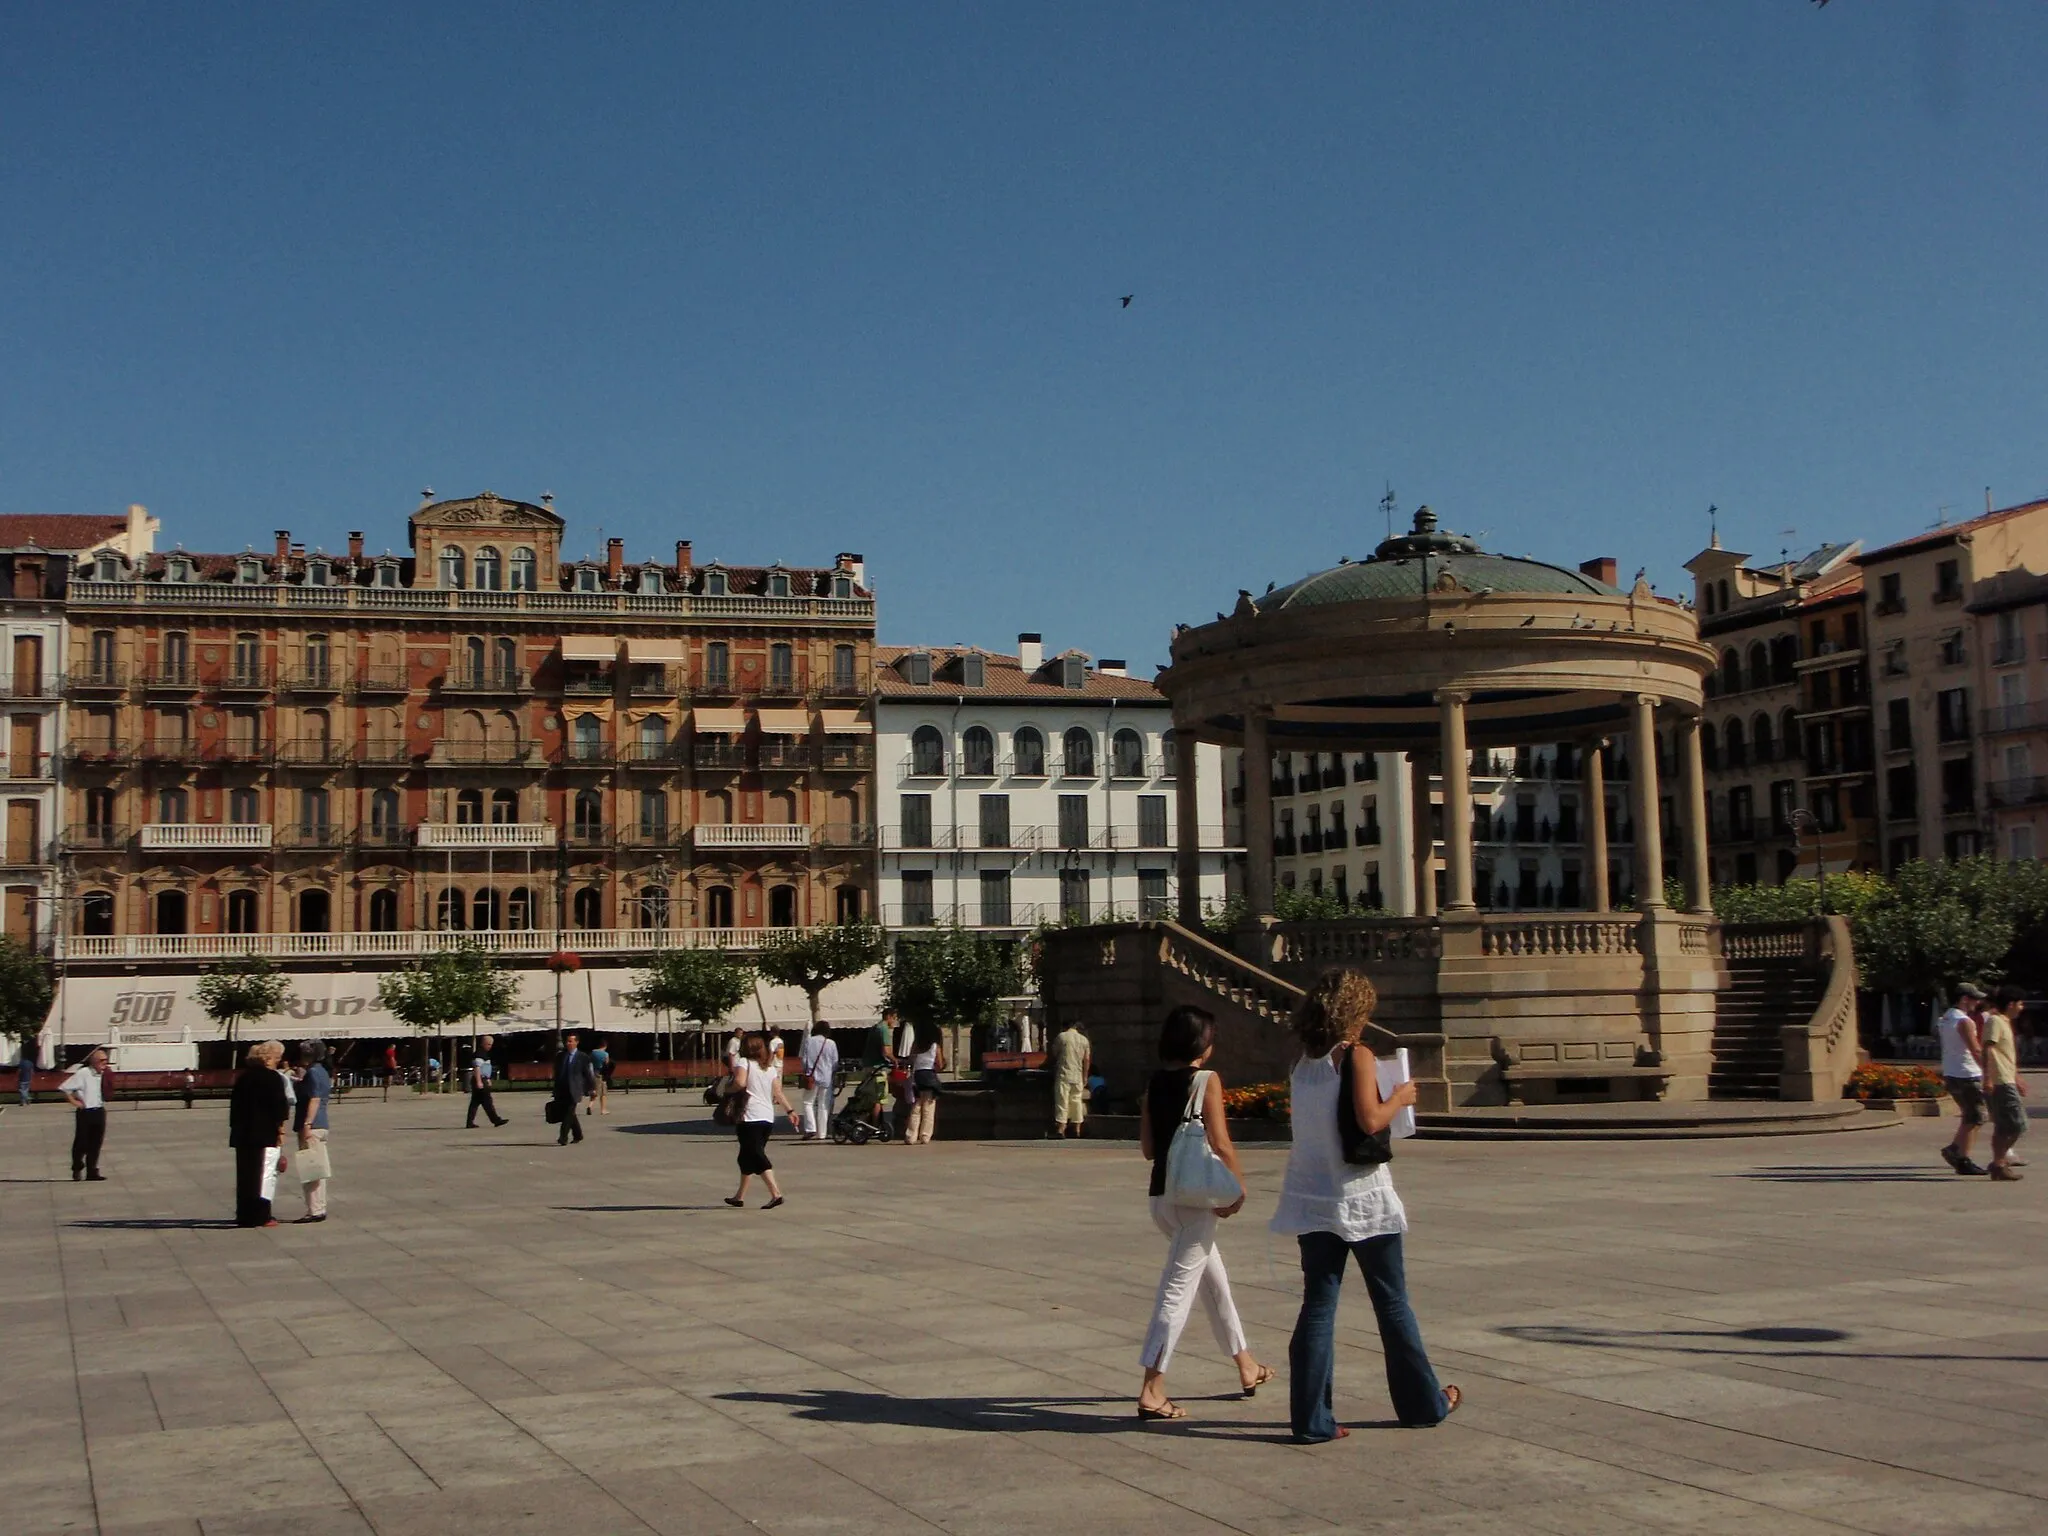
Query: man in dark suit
[575, 1081]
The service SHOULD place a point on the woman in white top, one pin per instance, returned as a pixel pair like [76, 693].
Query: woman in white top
[1336, 1209]
[927, 1061]
[760, 1087]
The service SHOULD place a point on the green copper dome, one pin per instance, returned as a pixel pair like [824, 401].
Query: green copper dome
[1413, 563]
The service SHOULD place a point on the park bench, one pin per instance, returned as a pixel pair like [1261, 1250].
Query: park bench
[1516, 1076]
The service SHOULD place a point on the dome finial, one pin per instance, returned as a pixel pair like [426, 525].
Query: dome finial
[1425, 520]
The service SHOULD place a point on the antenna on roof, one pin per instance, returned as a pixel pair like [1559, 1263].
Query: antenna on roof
[1713, 526]
[1387, 504]
[1940, 516]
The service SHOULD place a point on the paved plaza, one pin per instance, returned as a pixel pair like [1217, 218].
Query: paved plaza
[1778, 1336]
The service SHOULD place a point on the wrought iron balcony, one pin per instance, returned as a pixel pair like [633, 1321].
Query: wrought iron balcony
[2028, 789]
[719, 754]
[315, 752]
[487, 680]
[847, 756]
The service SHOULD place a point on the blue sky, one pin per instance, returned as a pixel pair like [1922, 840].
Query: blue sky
[787, 280]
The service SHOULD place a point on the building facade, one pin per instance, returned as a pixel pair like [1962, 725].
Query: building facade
[2009, 613]
[1021, 789]
[286, 749]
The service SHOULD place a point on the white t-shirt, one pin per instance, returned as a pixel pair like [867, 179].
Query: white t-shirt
[1320, 1191]
[85, 1082]
[760, 1091]
[732, 1051]
[1956, 1060]
[926, 1060]
[906, 1043]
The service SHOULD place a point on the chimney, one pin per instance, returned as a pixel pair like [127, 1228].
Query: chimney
[1112, 666]
[854, 565]
[141, 538]
[1030, 652]
[355, 546]
[615, 559]
[1602, 569]
[682, 557]
[284, 545]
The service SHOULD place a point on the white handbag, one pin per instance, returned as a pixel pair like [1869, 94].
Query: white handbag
[1195, 1175]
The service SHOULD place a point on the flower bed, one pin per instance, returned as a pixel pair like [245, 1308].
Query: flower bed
[1878, 1080]
[1256, 1101]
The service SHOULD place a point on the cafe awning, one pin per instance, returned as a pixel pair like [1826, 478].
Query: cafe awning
[846, 722]
[669, 652]
[786, 722]
[590, 647]
[734, 720]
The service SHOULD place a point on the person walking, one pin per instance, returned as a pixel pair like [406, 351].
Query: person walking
[1194, 1264]
[482, 1070]
[86, 1091]
[1072, 1057]
[819, 1063]
[601, 1072]
[878, 1048]
[927, 1061]
[1962, 1073]
[760, 1088]
[189, 1085]
[2004, 1088]
[258, 1111]
[1337, 1209]
[575, 1081]
[309, 1121]
[25, 1070]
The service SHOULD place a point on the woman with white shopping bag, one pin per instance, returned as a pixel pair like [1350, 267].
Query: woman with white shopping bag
[258, 1111]
[1196, 1181]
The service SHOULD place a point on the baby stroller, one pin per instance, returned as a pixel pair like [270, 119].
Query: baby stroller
[864, 1120]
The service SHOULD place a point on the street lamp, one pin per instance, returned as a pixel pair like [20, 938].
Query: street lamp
[1804, 822]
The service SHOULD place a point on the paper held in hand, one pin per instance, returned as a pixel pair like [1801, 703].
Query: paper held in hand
[1392, 1072]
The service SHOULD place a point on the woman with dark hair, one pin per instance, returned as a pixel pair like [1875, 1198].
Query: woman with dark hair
[759, 1087]
[1337, 1209]
[1194, 1266]
[257, 1111]
[927, 1061]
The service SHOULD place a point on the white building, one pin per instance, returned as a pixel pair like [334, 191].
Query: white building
[1014, 789]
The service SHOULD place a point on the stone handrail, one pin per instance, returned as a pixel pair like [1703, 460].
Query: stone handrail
[1821, 1053]
[1562, 936]
[1358, 941]
[1236, 980]
[1767, 941]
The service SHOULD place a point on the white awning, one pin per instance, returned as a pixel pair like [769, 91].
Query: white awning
[786, 722]
[846, 722]
[719, 719]
[671, 652]
[590, 647]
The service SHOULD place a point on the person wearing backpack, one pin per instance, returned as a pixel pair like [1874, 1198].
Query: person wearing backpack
[1338, 1201]
[1187, 1202]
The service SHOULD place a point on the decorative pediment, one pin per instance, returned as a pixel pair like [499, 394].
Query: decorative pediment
[486, 511]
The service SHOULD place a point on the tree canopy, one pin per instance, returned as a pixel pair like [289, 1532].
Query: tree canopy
[953, 977]
[814, 958]
[24, 992]
[242, 989]
[440, 991]
[699, 984]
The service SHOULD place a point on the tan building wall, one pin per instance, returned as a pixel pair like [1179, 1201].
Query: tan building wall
[2009, 616]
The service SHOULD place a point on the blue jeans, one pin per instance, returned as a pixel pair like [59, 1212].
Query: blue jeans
[1312, 1355]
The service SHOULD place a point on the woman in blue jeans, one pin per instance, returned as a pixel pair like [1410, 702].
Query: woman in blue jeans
[1337, 1209]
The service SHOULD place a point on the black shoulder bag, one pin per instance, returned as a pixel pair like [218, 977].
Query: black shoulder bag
[1359, 1148]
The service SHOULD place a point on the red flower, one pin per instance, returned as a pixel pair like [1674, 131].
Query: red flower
[565, 960]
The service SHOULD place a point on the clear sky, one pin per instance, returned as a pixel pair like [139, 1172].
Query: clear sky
[792, 279]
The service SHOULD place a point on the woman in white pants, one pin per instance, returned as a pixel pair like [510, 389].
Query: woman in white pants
[1194, 1266]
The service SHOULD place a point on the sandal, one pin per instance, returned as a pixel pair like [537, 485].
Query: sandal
[1251, 1388]
[1167, 1411]
[735, 1202]
[1452, 1397]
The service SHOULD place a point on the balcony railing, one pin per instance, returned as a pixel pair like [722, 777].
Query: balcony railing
[1020, 914]
[98, 754]
[384, 834]
[233, 751]
[752, 835]
[311, 834]
[474, 834]
[847, 756]
[586, 834]
[172, 678]
[846, 834]
[2001, 718]
[27, 766]
[650, 754]
[782, 685]
[190, 596]
[381, 679]
[312, 753]
[385, 751]
[97, 677]
[535, 942]
[245, 679]
[588, 754]
[28, 685]
[96, 835]
[2028, 789]
[205, 834]
[499, 754]
[313, 680]
[487, 680]
[787, 756]
[652, 834]
[649, 681]
[170, 751]
[2006, 652]
[585, 683]
[719, 754]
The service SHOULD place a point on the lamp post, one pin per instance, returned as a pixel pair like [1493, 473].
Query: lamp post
[1804, 821]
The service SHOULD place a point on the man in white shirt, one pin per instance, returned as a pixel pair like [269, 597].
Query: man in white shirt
[819, 1063]
[86, 1090]
[481, 1072]
[1962, 1073]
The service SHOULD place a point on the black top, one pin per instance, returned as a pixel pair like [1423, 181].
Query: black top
[1166, 1097]
[256, 1108]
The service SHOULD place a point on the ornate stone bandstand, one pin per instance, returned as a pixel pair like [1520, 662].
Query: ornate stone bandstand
[1434, 648]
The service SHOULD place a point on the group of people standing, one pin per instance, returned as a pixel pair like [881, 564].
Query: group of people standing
[1980, 1069]
[1337, 1201]
[268, 1101]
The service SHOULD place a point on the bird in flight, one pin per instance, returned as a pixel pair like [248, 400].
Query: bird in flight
[1127, 299]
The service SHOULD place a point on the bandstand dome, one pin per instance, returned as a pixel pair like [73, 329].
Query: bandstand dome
[1410, 564]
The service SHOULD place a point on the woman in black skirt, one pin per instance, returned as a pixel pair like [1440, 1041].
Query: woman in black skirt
[759, 1089]
[257, 1111]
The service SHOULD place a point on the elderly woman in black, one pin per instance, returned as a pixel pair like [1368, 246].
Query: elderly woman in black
[258, 1111]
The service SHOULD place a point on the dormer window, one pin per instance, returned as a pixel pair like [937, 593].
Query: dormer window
[917, 669]
[107, 568]
[778, 584]
[249, 571]
[452, 569]
[523, 567]
[387, 573]
[842, 586]
[178, 568]
[1073, 672]
[319, 573]
[650, 582]
[587, 579]
[973, 672]
[714, 584]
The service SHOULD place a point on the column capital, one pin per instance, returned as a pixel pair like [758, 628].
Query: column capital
[1651, 699]
[1454, 695]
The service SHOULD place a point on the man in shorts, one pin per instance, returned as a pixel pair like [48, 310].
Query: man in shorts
[1962, 1073]
[2004, 1089]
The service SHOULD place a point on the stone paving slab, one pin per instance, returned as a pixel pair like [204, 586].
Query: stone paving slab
[494, 1334]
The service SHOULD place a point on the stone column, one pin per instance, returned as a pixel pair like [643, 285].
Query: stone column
[1423, 839]
[1258, 817]
[1188, 828]
[1642, 751]
[1457, 801]
[1693, 792]
[1595, 778]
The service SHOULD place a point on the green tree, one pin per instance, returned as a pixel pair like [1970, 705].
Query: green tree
[814, 958]
[24, 993]
[1854, 896]
[243, 989]
[951, 980]
[433, 995]
[1945, 924]
[699, 984]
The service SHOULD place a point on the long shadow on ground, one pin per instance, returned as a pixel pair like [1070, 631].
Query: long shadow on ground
[1726, 1342]
[995, 1415]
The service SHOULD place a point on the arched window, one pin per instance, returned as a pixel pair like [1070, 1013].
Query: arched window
[102, 657]
[586, 738]
[653, 815]
[315, 911]
[653, 906]
[96, 914]
[170, 911]
[313, 817]
[1027, 754]
[978, 752]
[1169, 755]
[524, 568]
[1789, 746]
[519, 909]
[1077, 755]
[241, 909]
[384, 814]
[1733, 746]
[490, 570]
[178, 656]
[717, 664]
[1759, 664]
[653, 737]
[384, 911]
[589, 815]
[243, 810]
[1731, 671]
[1724, 596]
[248, 661]
[449, 911]
[505, 660]
[1710, 748]
[484, 913]
[504, 807]
[469, 807]
[473, 660]
[587, 908]
[927, 752]
[1760, 738]
[718, 907]
[782, 907]
[173, 806]
[451, 568]
[1127, 755]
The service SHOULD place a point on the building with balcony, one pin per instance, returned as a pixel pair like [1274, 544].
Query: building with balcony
[2009, 617]
[481, 734]
[1020, 788]
[1931, 679]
